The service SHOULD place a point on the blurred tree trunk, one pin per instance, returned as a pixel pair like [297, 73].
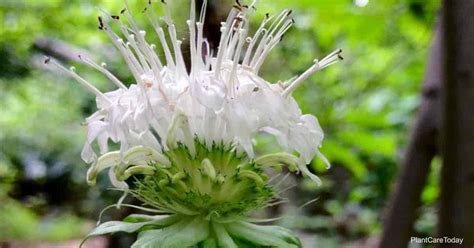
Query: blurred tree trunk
[216, 13]
[421, 150]
[456, 215]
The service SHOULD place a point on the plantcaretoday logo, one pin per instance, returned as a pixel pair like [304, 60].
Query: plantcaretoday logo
[434, 240]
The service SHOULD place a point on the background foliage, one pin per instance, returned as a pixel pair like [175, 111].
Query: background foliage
[365, 105]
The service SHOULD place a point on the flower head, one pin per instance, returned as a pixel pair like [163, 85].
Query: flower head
[186, 138]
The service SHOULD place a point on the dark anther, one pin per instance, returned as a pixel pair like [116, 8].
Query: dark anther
[115, 17]
[283, 35]
[253, 7]
[47, 60]
[123, 10]
[255, 89]
[289, 12]
[245, 6]
[267, 15]
[144, 10]
[101, 23]
[292, 20]
[339, 56]
[163, 1]
[238, 2]
[149, 2]
[237, 7]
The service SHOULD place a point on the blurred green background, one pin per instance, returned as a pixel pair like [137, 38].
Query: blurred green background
[366, 105]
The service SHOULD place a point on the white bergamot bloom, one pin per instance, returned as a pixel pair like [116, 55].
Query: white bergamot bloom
[187, 138]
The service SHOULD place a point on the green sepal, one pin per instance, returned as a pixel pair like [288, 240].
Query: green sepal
[223, 237]
[274, 236]
[133, 224]
[185, 233]
[208, 243]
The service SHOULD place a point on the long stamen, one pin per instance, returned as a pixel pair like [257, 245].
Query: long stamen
[268, 36]
[120, 45]
[142, 44]
[274, 41]
[207, 55]
[131, 41]
[332, 58]
[180, 66]
[226, 33]
[239, 23]
[169, 58]
[201, 60]
[255, 38]
[161, 35]
[192, 37]
[142, 62]
[232, 76]
[151, 56]
[71, 72]
[104, 71]
[199, 57]
[202, 17]
[135, 66]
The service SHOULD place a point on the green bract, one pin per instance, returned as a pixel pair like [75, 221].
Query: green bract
[215, 184]
[206, 197]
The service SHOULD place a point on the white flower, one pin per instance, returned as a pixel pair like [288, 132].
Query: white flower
[221, 100]
[190, 135]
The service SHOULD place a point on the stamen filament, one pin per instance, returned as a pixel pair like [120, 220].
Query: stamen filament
[78, 78]
[104, 71]
[325, 62]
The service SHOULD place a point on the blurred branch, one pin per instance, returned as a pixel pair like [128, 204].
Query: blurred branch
[456, 215]
[421, 150]
[60, 49]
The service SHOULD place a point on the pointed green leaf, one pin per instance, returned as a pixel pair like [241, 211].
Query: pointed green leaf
[223, 238]
[264, 235]
[128, 227]
[185, 233]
